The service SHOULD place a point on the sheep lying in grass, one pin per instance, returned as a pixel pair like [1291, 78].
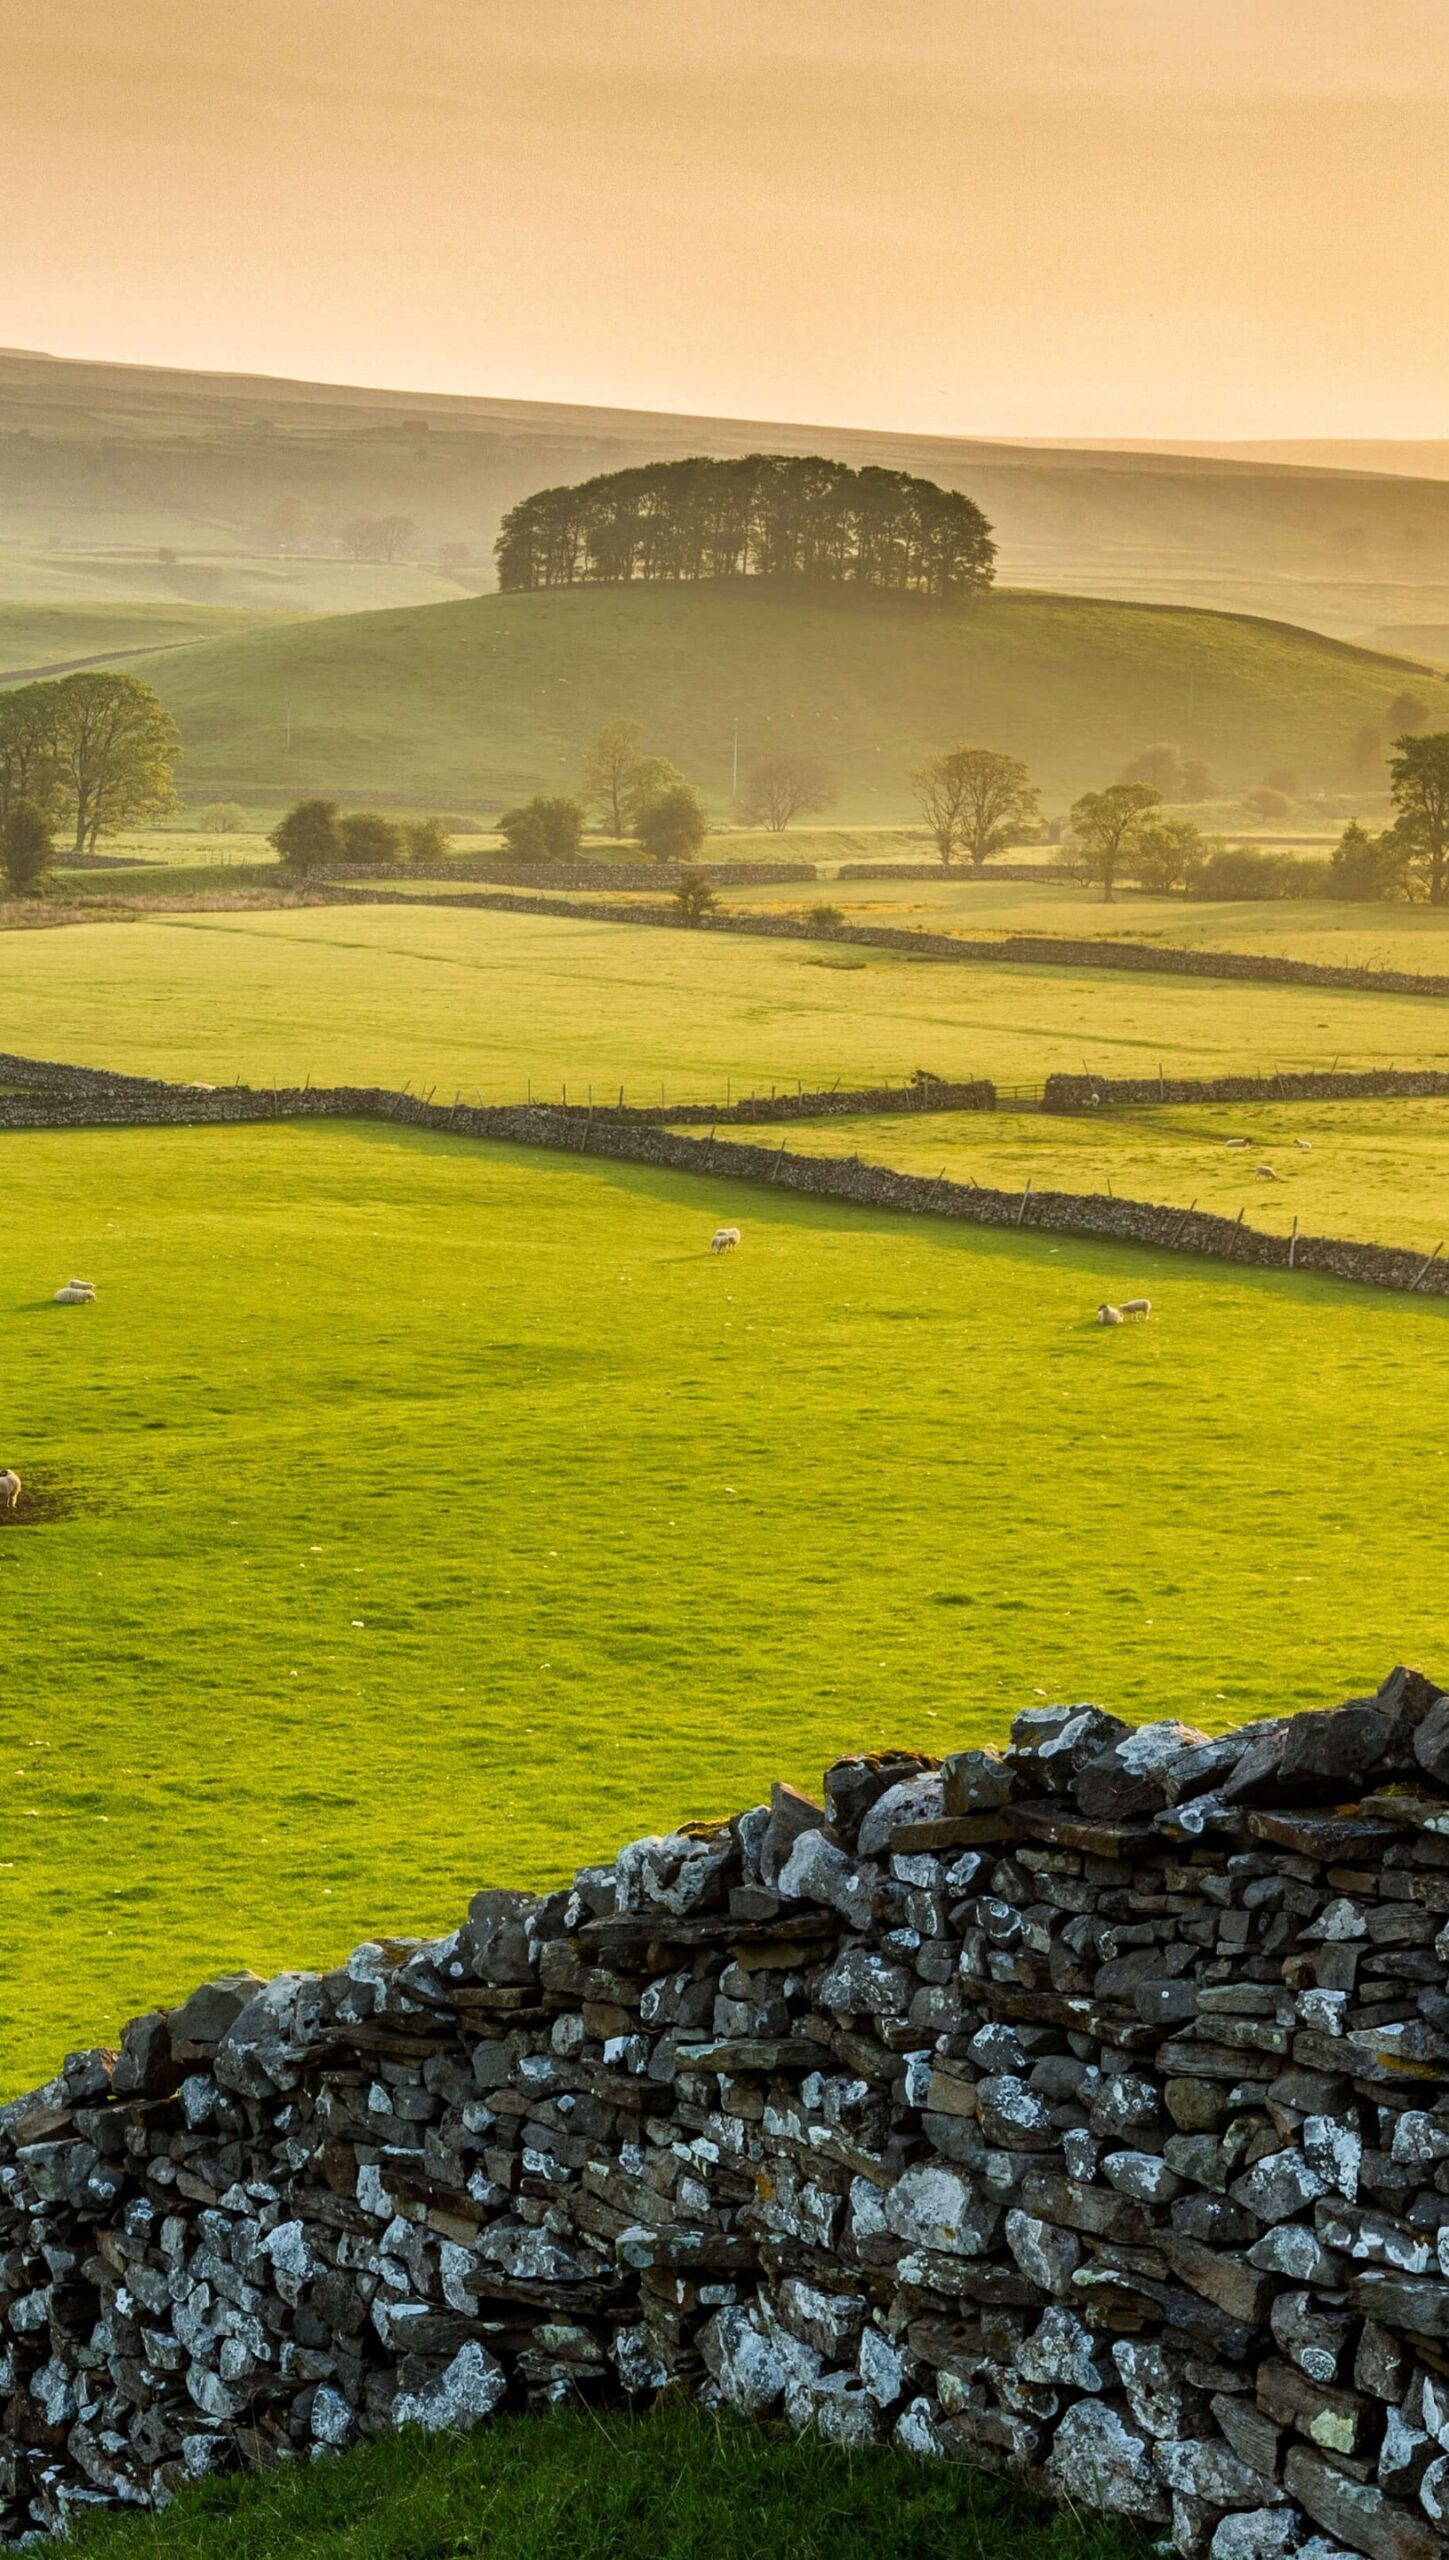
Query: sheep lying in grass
[76, 1293]
[1131, 1311]
[724, 1240]
[10, 1488]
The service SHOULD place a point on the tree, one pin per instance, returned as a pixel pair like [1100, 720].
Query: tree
[695, 896]
[1265, 804]
[545, 829]
[426, 840]
[308, 838]
[394, 535]
[651, 778]
[824, 917]
[359, 537]
[1365, 868]
[784, 787]
[1408, 711]
[1166, 853]
[673, 826]
[29, 766]
[1106, 827]
[609, 770]
[369, 837]
[26, 850]
[1419, 782]
[221, 818]
[115, 744]
[996, 799]
[1168, 770]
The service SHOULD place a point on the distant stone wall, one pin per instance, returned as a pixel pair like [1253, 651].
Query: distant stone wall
[1053, 872]
[1016, 950]
[74, 1098]
[1087, 1092]
[572, 875]
[1079, 2111]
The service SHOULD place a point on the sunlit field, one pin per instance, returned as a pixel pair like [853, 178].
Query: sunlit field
[1376, 1171]
[421, 1513]
[480, 1001]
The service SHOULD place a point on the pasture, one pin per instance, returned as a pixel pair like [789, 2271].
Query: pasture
[483, 1001]
[423, 1513]
[1374, 1171]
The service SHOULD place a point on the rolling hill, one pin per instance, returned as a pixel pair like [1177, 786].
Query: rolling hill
[472, 703]
[247, 482]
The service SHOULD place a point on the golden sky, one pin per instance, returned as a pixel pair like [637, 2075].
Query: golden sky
[1051, 217]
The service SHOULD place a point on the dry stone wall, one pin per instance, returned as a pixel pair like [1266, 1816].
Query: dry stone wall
[57, 1097]
[1080, 2110]
[573, 875]
[1086, 1092]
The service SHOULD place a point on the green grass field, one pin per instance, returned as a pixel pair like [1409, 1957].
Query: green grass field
[429, 1513]
[37, 637]
[500, 695]
[1376, 1171]
[576, 2485]
[476, 1000]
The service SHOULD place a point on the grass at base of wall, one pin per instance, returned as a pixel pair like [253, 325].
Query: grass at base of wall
[575, 2485]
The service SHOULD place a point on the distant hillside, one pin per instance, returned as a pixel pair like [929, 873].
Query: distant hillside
[104, 468]
[470, 704]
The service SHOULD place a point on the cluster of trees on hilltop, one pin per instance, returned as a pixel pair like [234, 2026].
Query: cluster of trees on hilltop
[88, 752]
[771, 515]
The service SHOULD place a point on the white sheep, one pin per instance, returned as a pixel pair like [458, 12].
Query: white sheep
[1265, 1173]
[1138, 1309]
[1109, 1315]
[724, 1240]
[76, 1293]
[1306, 1144]
[11, 1488]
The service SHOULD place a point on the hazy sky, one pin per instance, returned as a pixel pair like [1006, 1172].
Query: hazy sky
[1150, 217]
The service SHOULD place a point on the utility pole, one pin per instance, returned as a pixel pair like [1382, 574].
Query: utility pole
[735, 766]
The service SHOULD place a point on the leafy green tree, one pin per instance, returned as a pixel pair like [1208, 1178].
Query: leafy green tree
[1367, 869]
[28, 748]
[548, 828]
[1106, 829]
[651, 778]
[609, 770]
[784, 787]
[672, 827]
[1419, 782]
[1166, 853]
[367, 836]
[221, 818]
[973, 800]
[115, 747]
[425, 840]
[695, 896]
[308, 838]
[26, 849]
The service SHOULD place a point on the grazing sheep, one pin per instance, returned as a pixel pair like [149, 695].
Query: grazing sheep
[1138, 1309]
[10, 1488]
[76, 1293]
[1265, 1173]
[724, 1239]
[1236, 1142]
[1306, 1144]
[1109, 1315]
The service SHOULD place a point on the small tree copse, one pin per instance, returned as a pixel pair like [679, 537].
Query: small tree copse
[651, 777]
[1177, 776]
[695, 896]
[548, 828]
[1365, 869]
[367, 836]
[1106, 828]
[26, 849]
[425, 840]
[1419, 782]
[783, 787]
[309, 837]
[672, 827]
[609, 770]
[1166, 854]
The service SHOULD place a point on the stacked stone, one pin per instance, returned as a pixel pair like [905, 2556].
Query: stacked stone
[1080, 2110]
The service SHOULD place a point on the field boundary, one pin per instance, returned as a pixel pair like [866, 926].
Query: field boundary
[61, 1097]
[1039, 951]
[1333, 1084]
